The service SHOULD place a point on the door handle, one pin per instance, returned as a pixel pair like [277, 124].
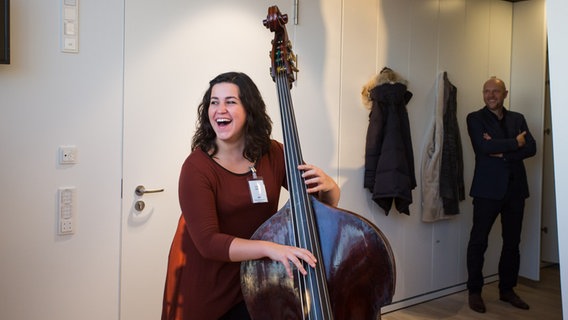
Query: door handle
[141, 190]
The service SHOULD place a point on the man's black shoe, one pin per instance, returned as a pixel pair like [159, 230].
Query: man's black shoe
[476, 302]
[514, 299]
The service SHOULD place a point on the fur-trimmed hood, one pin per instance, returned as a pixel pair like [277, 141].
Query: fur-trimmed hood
[386, 75]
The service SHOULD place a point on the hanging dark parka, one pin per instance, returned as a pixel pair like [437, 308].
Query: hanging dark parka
[389, 160]
[452, 189]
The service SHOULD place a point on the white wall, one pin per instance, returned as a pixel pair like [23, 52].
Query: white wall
[471, 40]
[556, 13]
[48, 99]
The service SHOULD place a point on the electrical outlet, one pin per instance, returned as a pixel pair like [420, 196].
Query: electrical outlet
[66, 226]
[66, 210]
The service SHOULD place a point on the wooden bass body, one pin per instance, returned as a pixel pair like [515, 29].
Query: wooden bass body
[357, 259]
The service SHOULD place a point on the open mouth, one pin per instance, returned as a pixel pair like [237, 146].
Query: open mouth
[223, 122]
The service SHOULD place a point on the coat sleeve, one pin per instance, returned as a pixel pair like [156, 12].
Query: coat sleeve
[477, 126]
[528, 150]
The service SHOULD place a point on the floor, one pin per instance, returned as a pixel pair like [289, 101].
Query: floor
[544, 298]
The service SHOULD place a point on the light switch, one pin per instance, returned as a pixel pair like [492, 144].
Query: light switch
[69, 28]
[69, 34]
[67, 155]
[69, 13]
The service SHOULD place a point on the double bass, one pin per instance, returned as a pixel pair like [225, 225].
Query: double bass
[355, 273]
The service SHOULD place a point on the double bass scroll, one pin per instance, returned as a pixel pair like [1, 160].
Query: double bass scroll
[282, 57]
[355, 273]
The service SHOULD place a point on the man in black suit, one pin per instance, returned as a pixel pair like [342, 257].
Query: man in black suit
[501, 140]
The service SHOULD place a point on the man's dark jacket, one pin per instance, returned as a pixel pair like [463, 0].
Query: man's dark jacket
[493, 175]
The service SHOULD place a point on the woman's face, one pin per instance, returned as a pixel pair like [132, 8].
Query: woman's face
[226, 113]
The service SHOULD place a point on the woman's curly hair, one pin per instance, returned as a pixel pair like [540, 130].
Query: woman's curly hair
[258, 125]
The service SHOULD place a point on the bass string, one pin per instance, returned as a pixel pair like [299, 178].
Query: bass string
[291, 157]
[314, 286]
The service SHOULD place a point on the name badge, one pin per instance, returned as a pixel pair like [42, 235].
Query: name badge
[257, 188]
[257, 191]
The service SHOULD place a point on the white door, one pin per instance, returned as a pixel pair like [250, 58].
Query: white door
[172, 49]
[157, 126]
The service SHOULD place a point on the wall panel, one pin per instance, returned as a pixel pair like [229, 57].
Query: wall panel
[471, 40]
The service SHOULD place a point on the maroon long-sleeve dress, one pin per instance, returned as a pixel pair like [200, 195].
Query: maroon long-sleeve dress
[201, 282]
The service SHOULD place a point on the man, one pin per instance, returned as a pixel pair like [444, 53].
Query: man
[501, 140]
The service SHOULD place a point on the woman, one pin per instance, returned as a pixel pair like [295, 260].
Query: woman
[220, 212]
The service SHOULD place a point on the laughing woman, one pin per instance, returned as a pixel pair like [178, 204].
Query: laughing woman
[231, 144]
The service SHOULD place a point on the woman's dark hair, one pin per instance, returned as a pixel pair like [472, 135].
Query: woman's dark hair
[258, 125]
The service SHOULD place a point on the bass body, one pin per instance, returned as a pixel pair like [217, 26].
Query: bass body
[357, 258]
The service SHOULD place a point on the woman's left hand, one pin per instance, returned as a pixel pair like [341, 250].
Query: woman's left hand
[319, 182]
